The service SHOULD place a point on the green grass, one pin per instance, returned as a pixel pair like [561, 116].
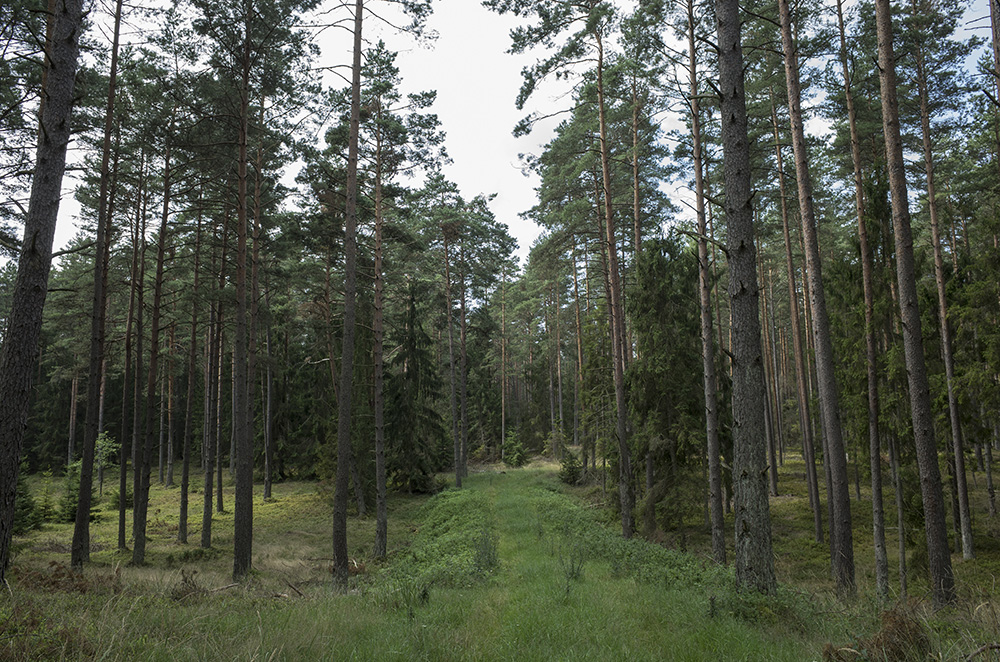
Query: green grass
[514, 567]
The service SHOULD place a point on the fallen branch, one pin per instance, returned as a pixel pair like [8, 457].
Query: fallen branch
[292, 586]
[984, 648]
[224, 588]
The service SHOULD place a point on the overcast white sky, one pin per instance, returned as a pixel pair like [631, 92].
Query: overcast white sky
[477, 82]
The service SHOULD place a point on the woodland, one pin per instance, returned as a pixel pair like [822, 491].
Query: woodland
[766, 291]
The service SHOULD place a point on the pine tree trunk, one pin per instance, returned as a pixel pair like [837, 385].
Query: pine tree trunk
[141, 503]
[340, 560]
[128, 380]
[463, 367]
[20, 345]
[212, 388]
[801, 378]
[939, 557]
[161, 448]
[453, 401]
[871, 348]
[990, 491]
[189, 397]
[753, 551]
[242, 458]
[964, 519]
[73, 398]
[381, 513]
[841, 528]
[705, 301]
[171, 451]
[578, 380]
[625, 489]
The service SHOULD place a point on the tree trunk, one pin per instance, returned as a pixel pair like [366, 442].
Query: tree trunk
[463, 366]
[801, 388]
[769, 418]
[20, 345]
[578, 377]
[871, 348]
[625, 488]
[340, 570]
[939, 557]
[753, 551]
[965, 521]
[212, 388]
[141, 496]
[128, 425]
[897, 481]
[171, 451]
[189, 397]
[80, 551]
[161, 448]
[242, 424]
[381, 513]
[73, 397]
[457, 441]
[705, 301]
[841, 530]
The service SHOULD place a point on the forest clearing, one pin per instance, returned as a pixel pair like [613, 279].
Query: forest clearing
[516, 565]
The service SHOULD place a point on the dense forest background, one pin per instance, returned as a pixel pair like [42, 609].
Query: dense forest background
[214, 319]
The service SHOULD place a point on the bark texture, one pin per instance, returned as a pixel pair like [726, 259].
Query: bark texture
[841, 531]
[20, 347]
[932, 494]
[753, 552]
[340, 571]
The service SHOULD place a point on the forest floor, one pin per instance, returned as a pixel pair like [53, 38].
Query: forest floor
[514, 566]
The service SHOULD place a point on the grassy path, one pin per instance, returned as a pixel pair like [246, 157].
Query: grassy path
[507, 569]
[630, 601]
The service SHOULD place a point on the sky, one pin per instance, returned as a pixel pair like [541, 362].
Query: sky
[477, 83]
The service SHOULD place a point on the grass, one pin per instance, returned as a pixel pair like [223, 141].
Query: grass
[514, 566]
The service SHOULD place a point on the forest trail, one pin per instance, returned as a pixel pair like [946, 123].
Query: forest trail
[565, 587]
[509, 568]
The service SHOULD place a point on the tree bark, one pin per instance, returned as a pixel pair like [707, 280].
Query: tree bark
[453, 401]
[705, 301]
[625, 489]
[20, 346]
[939, 557]
[80, 550]
[141, 496]
[801, 388]
[381, 513]
[753, 550]
[871, 347]
[189, 397]
[463, 366]
[242, 424]
[965, 521]
[340, 570]
[841, 529]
